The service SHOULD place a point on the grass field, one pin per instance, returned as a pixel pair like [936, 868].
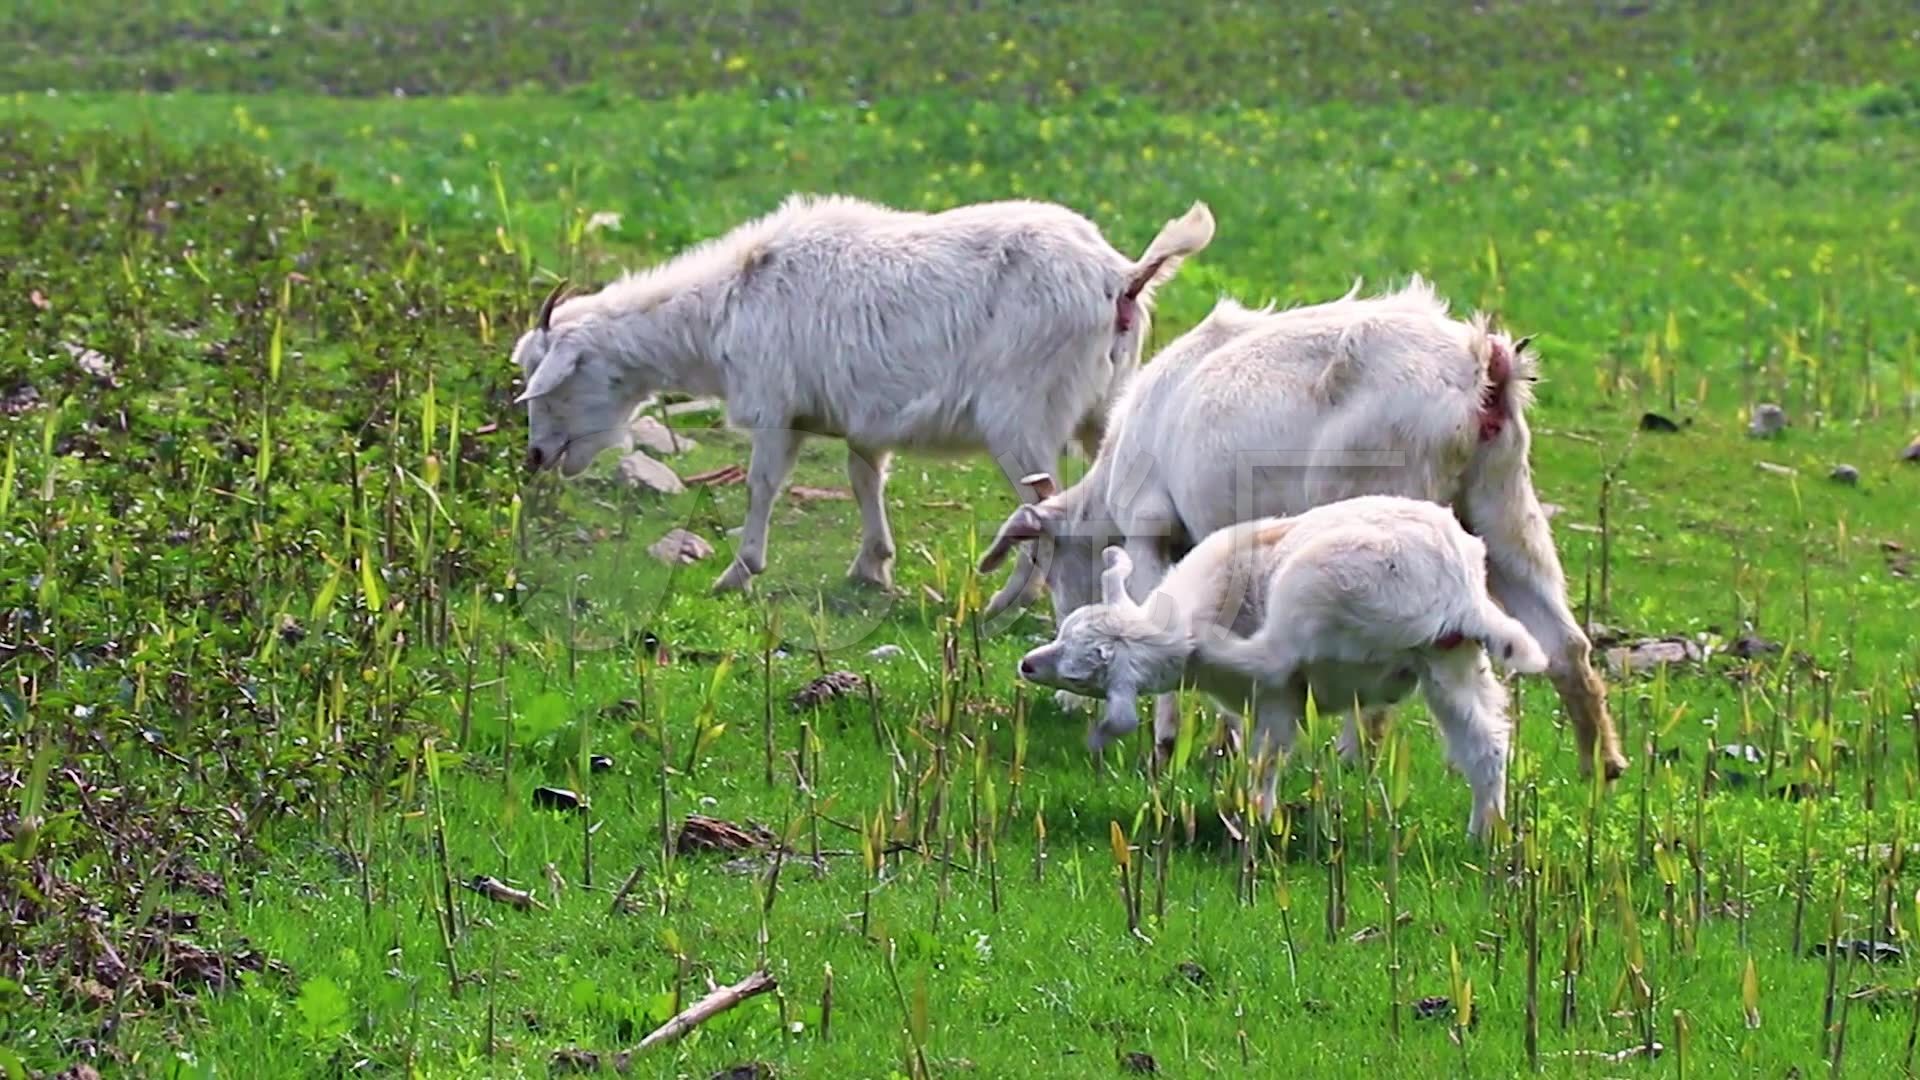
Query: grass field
[289, 643]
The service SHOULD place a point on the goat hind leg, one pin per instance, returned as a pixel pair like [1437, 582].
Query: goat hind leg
[1470, 707]
[867, 475]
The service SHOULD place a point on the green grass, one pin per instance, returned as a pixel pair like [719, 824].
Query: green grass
[274, 603]
[1202, 53]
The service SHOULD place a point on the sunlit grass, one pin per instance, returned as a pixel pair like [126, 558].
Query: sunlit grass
[277, 607]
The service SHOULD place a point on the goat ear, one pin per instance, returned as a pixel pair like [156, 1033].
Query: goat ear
[1113, 580]
[545, 322]
[1029, 522]
[1521, 345]
[559, 363]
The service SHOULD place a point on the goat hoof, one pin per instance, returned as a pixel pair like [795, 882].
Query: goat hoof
[875, 577]
[736, 579]
[1162, 755]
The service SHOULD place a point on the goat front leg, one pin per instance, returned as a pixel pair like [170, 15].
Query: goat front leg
[867, 474]
[1026, 581]
[1525, 577]
[774, 452]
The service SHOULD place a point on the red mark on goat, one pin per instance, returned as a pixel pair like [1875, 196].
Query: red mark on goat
[1493, 400]
[1124, 310]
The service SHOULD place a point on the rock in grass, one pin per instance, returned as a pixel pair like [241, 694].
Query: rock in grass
[1653, 421]
[637, 470]
[702, 833]
[651, 435]
[600, 763]
[1845, 474]
[1873, 952]
[1139, 1061]
[1767, 420]
[746, 1070]
[825, 688]
[1652, 653]
[680, 548]
[553, 798]
[1912, 452]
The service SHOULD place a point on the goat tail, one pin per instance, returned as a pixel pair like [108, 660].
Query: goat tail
[1178, 239]
[1252, 658]
[1508, 642]
[1508, 371]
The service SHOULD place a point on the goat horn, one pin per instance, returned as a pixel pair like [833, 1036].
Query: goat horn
[547, 305]
[1041, 483]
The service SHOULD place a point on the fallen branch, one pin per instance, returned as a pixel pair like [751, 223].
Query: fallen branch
[1618, 1057]
[500, 892]
[716, 1002]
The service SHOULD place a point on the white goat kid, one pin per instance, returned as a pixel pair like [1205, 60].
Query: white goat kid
[1270, 413]
[1008, 326]
[1357, 602]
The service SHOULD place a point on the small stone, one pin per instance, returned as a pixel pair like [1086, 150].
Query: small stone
[1653, 421]
[637, 470]
[1138, 1061]
[651, 435]
[801, 493]
[680, 548]
[92, 361]
[1845, 474]
[1750, 646]
[696, 405]
[1777, 470]
[1767, 420]
[886, 652]
[825, 688]
[600, 763]
[1912, 452]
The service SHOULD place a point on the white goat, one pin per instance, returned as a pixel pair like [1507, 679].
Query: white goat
[1004, 325]
[1356, 601]
[1270, 413]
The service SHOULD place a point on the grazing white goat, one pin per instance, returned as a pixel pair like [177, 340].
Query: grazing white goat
[1356, 601]
[1257, 413]
[1008, 326]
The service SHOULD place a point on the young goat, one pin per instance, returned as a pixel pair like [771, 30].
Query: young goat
[1356, 602]
[1270, 413]
[1005, 325]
